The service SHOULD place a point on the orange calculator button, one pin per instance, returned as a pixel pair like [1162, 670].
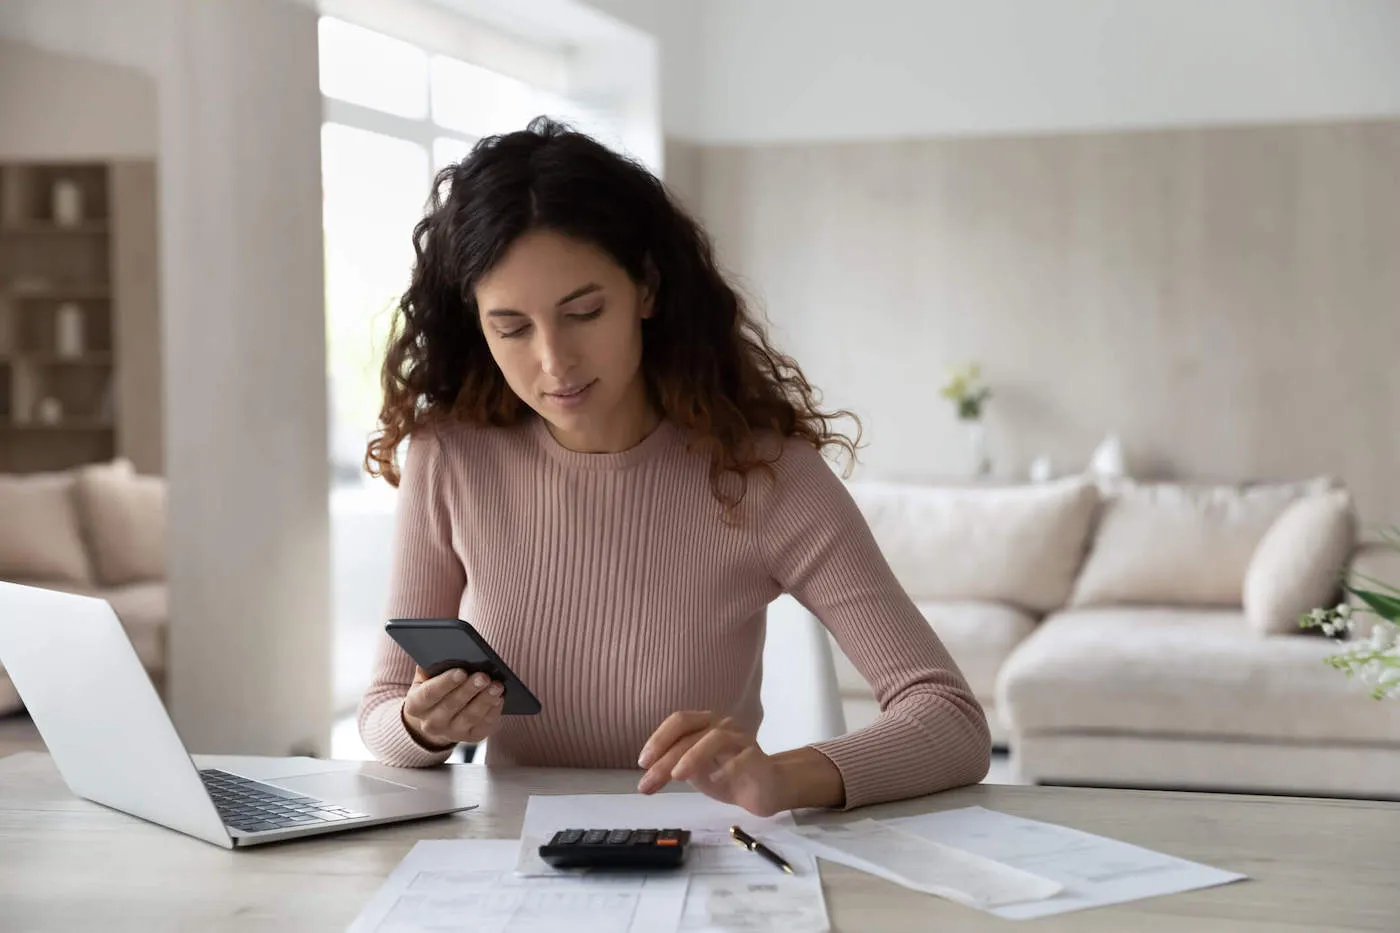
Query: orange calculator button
[668, 842]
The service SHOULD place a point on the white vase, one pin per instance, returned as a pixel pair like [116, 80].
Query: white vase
[1108, 460]
[979, 459]
[49, 411]
[67, 203]
[68, 331]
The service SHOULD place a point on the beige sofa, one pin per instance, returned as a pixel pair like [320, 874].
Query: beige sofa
[98, 530]
[1145, 635]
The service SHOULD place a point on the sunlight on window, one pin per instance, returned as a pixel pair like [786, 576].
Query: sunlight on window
[448, 150]
[478, 102]
[372, 70]
[375, 187]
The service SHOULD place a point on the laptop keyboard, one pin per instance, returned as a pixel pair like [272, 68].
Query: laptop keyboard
[253, 806]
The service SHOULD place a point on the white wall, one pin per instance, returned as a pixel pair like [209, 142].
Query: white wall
[56, 106]
[1224, 299]
[810, 70]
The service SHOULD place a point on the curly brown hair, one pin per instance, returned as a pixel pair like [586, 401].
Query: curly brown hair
[707, 363]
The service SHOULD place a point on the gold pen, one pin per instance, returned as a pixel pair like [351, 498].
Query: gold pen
[753, 845]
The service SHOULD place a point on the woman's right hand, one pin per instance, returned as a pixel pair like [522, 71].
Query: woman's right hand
[452, 707]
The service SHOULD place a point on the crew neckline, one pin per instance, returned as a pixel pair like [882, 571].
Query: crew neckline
[659, 439]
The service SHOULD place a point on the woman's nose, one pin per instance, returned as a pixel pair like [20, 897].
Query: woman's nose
[557, 358]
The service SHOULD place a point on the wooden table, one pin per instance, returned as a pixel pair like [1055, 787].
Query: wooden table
[66, 864]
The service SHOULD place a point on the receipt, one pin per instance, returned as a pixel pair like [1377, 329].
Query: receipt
[921, 864]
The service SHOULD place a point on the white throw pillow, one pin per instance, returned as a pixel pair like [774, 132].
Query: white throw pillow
[1298, 566]
[1020, 545]
[123, 517]
[40, 538]
[1168, 544]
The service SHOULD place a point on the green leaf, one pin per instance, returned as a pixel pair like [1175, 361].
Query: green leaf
[1387, 607]
[1378, 583]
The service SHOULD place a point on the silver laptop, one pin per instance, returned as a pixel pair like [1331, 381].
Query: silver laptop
[114, 743]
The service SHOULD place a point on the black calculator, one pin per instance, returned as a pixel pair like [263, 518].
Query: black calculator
[616, 848]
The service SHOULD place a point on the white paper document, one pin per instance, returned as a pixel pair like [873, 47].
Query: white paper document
[467, 885]
[1095, 871]
[924, 865]
[731, 890]
[755, 903]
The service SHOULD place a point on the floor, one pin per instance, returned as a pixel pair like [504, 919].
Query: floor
[17, 734]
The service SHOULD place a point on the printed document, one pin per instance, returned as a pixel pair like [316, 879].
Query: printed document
[467, 885]
[1094, 871]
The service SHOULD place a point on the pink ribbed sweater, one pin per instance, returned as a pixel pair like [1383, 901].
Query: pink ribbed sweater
[611, 585]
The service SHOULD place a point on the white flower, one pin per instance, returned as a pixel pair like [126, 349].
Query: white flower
[1391, 675]
[1343, 611]
[1382, 636]
[1329, 629]
[1318, 615]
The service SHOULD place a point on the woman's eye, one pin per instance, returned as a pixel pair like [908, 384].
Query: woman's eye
[508, 334]
[587, 315]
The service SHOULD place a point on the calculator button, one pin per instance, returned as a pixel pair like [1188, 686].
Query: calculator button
[619, 836]
[568, 837]
[644, 837]
[595, 837]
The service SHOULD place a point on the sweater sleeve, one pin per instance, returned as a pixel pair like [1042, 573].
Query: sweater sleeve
[427, 581]
[931, 733]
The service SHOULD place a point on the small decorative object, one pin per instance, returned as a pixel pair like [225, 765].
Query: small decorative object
[49, 411]
[1108, 461]
[67, 203]
[1375, 661]
[965, 390]
[68, 331]
[1041, 469]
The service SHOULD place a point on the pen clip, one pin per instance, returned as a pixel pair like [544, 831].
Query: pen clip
[743, 838]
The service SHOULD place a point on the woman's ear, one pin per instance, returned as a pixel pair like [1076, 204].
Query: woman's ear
[651, 284]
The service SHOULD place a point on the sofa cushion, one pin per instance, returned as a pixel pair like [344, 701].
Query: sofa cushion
[123, 518]
[979, 636]
[1298, 566]
[1201, 673]
[40, 535]
[1019, 545]
[143, 609]
[1169, 544]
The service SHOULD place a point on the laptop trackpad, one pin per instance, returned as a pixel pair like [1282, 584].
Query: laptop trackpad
[340, 785]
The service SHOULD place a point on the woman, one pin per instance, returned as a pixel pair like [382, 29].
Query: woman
[611, 474]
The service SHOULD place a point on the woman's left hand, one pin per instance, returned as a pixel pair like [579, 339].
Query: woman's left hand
[717, 757]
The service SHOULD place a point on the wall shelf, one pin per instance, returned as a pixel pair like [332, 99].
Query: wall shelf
[53, 359]
[86, 284]
[62, 426]
[46, 229]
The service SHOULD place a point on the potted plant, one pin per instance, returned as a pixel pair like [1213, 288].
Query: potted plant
[1375, 661]
[969, 395]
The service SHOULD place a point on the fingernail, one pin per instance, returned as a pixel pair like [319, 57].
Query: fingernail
[495, 690]
[480, 680]
[644, 759]
[459, 675]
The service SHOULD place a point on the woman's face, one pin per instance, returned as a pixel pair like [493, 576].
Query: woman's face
[564, 323]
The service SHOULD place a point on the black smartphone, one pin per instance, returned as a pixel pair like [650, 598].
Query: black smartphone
[438, 645]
